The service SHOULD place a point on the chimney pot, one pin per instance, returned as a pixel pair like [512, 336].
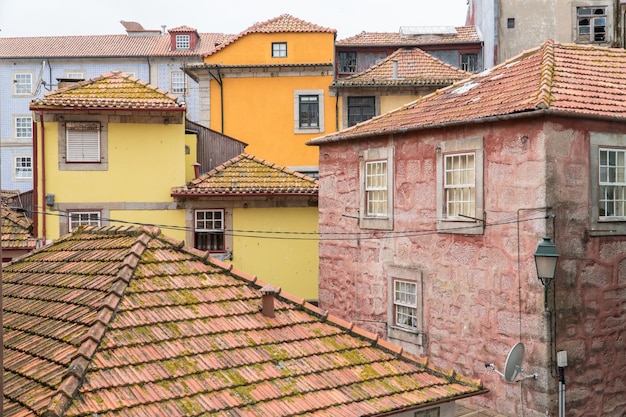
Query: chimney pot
[267, 307]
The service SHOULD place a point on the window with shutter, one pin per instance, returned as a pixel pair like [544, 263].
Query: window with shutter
[83, 142]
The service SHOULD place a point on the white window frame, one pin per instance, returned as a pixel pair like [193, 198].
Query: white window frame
[279, 49]
[22, 87]
[183, 41]
[602, 224]
[22, 167]
[178, 82]
[411, 276]
[82, 142]
[378, 219]
[76, 218]
[214, 225]
[296, 111]
[376, 188]
[606, 16]
[23, 127]
[74, 75]
[469, 223]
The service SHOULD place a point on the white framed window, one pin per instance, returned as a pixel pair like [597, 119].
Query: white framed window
[75, 75]
[376, 188]
[209, 230]
[607, 153]
[183, 41]
[279, 49]
[592, 24]
[460, 186]
[23, 83]
[23, 168]
[179, 82]
[308, 109]
[376, 191]
[612, 184]
[82, 142]
[23, 127]
[80, 218]
[405, 304]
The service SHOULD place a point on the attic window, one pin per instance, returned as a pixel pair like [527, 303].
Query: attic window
[591, 24]
[183, 42]
[279, 49]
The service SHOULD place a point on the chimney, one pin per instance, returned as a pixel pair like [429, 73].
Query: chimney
[395, 68]
[267, 307]
[196, 169]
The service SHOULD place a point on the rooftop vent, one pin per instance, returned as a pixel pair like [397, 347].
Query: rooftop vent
[267, 306]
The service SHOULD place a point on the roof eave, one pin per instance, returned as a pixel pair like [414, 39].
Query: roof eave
[490, 119]
[244, 194]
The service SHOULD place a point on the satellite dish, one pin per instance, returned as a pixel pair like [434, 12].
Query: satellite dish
[513, 365]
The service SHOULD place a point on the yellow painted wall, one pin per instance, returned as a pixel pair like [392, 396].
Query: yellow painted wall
[288, 263]
[259, 110]
[159, 218]
[306, 47]
[144, 162]
[267, 108]
[388, 103]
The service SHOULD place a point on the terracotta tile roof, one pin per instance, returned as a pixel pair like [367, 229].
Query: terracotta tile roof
[464, 34]
[114, 90]
[101, 46]
[565, 79]
[248, 175]
[16, 230]
[284, 23]
[181, 29]
[129, 322]
[415, 68]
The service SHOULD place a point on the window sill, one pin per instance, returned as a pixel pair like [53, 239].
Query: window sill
[461, 227]
[405, 335]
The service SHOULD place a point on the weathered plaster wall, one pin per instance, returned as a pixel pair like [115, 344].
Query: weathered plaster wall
[480, 293]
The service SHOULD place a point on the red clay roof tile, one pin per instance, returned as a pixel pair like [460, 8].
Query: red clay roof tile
[187, 338]
[16, 230]
[249, 175]
[566, 79]
[405, 67]
[114, 90]
[464, 34]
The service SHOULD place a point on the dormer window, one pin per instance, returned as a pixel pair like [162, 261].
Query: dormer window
[183, 42]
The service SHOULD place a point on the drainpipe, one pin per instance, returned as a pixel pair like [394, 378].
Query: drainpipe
[33, 213]
[219, 81]
[43, 177]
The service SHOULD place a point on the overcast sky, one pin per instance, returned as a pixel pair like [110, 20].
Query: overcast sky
[93, 17]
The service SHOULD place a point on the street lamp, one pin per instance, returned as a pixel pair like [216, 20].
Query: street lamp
[546, 258]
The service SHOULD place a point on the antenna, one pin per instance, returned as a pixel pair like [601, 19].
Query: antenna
[513, 365]
[40, 79]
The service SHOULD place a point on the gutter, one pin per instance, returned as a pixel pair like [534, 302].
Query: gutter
[195, 195]
[43, 177]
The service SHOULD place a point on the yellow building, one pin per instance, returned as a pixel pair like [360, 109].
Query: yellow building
[107, 151]
[269, 87]
[258, 216]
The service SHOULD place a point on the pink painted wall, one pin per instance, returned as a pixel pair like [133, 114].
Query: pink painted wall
[480, 293]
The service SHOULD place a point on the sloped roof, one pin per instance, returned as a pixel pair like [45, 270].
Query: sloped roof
[16, 230]
[284, 23]
[249, 175]
[114, 90]
[563, 79]
[415, 68]
[100, 46]
[464, 34]
[128, 322]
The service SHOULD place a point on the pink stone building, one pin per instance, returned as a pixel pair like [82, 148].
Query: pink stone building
[430, 216]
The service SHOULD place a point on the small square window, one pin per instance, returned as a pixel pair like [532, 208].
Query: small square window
[23, 83]
[24, 127]
[209, 230]
[360, 109]
[469, 62]
[23, 167]
[347, 62]
[279, 49]
[510, 23]
[183, 42]
[592, 24]
[80, 218]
